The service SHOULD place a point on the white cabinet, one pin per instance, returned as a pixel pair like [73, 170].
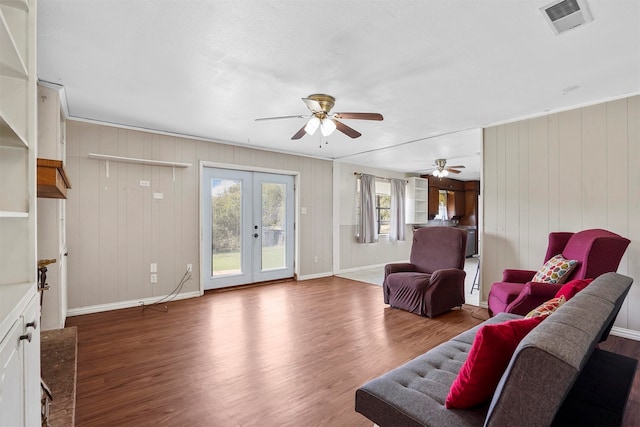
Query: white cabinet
[12, 377]
[416, 198]
[20, 365]
[19, 303]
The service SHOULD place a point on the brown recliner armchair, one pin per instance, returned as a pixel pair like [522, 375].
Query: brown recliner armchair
[432, 282]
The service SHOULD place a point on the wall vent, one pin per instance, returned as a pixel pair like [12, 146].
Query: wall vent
[564, 15]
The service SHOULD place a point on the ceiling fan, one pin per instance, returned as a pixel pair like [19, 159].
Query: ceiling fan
[320, 106]
[442, 170]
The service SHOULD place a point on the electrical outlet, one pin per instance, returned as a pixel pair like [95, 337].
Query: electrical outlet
[158, 196]
[154, 278]
[315, 258]
[189, 267]
[144, 183]
[153, 268]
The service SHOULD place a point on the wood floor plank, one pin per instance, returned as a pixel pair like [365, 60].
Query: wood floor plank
[283, 354]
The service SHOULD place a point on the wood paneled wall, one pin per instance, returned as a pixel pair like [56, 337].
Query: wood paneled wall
[566, 171]
[115, 228]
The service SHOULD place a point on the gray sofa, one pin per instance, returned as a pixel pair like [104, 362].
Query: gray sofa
[536, 388]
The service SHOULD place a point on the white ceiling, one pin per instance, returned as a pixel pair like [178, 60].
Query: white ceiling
[437, 70]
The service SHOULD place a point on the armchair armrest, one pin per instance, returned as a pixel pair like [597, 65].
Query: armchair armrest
[447, 275]
[546, 290]
[398, 267]
[517, 276]
[532, 295]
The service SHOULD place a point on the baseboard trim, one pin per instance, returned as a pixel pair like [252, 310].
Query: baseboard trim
[625, 333]
[314, 276]
[364, 267]
[124, 304]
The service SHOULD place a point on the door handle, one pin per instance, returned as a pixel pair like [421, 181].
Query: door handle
[255, 235]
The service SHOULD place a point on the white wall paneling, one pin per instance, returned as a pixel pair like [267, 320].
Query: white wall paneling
[566, 171]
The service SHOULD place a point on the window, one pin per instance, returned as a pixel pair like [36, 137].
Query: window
[383, 206]
[383, 212]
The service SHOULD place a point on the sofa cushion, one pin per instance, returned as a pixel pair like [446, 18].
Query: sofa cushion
[547, 307]
[488, 358]
[556, 270]
[571, 288]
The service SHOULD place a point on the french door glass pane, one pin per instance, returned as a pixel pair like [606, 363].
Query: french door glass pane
[226, 234]
[274, 197]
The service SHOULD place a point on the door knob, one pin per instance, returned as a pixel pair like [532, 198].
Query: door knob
[255, 235]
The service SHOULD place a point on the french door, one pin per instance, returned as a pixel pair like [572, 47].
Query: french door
[247, 227]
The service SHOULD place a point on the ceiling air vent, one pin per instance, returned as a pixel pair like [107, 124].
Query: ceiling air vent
[565, 15]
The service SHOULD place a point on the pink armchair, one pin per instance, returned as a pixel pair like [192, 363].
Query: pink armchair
[433, 281]
[597, 251]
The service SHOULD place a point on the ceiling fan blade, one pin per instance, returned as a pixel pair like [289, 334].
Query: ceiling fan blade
[359, 116]
[452, 170]
[282, 117]
[347, 130]
[299, 134]
[456, 167]
[312, 105]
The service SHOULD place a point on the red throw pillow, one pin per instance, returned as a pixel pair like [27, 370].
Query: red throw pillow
[488, 358]
[571, 288]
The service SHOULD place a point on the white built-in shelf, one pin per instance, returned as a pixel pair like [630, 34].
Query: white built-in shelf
[13, 214]
[13, 42]
[138, 161]
[23, 5]
[9, 137]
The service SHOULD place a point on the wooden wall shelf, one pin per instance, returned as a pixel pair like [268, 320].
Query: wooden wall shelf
[53, 181]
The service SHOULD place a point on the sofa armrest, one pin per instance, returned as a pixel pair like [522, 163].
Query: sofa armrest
[517, 276]
[532, 295]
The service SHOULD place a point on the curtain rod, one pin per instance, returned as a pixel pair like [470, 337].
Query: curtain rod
[378, 177]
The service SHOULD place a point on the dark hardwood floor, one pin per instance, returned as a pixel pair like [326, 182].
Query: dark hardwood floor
[284, 354]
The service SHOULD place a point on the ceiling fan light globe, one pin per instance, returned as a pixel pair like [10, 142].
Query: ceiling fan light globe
[312, 125]
[327, 127]
[445, 172]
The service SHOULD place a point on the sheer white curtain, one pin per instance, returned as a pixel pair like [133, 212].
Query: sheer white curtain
[368, 232]
[397, 224]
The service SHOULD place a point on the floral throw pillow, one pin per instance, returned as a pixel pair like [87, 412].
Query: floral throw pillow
[547, 307]
[556, 270]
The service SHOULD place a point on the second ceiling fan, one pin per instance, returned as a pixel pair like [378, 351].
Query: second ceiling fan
[443, 170]
[320, 106]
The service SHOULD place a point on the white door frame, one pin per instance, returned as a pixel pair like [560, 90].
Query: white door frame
[296, 207]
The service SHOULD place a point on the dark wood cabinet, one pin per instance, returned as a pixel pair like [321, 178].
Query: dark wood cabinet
[434, 196]
[456, 204]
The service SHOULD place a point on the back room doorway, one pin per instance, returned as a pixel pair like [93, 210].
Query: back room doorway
[248, 227]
